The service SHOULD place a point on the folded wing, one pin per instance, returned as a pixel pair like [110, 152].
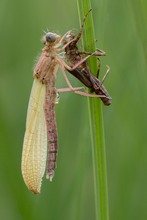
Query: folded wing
[35, 139]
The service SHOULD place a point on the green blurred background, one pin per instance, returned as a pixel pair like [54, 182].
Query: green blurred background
[121, 31]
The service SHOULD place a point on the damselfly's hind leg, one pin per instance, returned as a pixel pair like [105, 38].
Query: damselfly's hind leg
[76, 91]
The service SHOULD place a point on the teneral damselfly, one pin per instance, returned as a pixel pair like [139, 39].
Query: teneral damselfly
[41, 129]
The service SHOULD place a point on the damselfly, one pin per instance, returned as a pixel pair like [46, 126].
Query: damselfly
[41, 129]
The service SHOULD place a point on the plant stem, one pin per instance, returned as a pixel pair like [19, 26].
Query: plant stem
[96, 122]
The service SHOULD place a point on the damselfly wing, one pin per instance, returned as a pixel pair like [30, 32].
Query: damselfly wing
[35, 140]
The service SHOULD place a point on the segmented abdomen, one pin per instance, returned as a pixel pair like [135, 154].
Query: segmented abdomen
[51, 130]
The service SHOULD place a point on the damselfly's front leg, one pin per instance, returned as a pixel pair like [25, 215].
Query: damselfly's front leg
[56, 47]
[60, 41]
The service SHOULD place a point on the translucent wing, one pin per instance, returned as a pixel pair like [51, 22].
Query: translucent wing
[35, 140]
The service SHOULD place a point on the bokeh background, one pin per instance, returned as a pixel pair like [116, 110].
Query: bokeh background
[121, 31]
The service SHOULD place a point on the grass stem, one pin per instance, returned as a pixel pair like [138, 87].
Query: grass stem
[96, 121]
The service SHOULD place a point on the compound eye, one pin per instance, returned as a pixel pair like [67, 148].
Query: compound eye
[50, 37]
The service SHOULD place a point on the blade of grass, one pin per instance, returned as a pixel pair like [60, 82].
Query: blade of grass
[96, 122]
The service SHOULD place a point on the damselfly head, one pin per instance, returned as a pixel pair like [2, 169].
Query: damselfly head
[50, 38]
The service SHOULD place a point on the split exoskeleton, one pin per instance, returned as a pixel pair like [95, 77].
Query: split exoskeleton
[82, 72]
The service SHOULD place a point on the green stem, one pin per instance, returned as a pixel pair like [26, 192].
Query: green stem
[96, 122]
